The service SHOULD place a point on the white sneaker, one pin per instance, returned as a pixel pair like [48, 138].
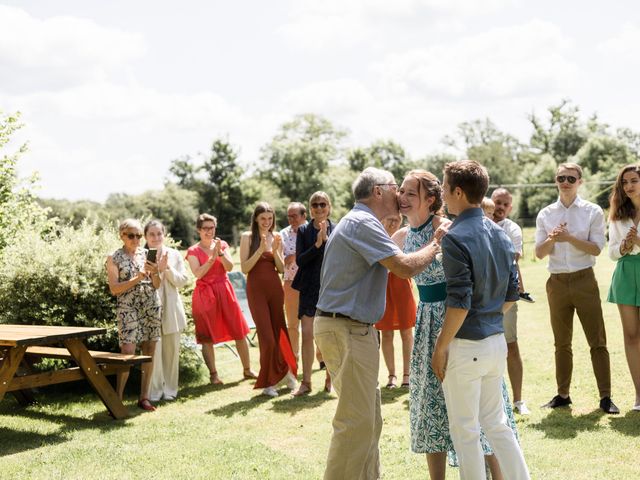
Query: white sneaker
[291, 381]
[521, 408]
[270, 392]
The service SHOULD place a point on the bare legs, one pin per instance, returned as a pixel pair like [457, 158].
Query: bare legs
[514, 367]
[210, 361]
[630, 316]
[386, 345]
[148, 348]
[307, 348]
[242, 346]
[291, 299]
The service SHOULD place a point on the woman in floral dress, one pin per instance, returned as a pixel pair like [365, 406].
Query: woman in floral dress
[420, 199]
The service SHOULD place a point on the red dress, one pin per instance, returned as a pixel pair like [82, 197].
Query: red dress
[400, 312]
[266, 302]
[216, 311]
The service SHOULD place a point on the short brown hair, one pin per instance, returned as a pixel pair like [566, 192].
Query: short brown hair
[570, 166]
[205, 217]
[470, 176]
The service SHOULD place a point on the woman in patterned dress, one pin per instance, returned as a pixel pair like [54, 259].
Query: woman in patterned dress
[134, 282]
[420, 200]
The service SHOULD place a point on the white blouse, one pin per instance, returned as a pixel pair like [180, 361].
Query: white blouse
[618, 230]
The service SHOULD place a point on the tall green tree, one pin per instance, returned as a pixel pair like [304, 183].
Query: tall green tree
[18, 206]
[499, 152]
[217, 180]
[385, 154]
[298, 157]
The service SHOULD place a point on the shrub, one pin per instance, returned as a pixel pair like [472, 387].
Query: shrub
[60, 279]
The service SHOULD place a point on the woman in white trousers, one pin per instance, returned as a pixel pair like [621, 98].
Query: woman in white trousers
[173, 274]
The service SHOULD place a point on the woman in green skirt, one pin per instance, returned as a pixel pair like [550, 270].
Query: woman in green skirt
[624, 246]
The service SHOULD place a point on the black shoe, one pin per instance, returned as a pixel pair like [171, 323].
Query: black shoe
[322, 366]
[525, 297]
[558, 401]
[608, 406]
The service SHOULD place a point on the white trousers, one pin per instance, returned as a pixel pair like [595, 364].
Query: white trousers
[473, 393]
[164, 379]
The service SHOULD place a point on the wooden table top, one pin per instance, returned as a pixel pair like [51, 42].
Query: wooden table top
[13, 335]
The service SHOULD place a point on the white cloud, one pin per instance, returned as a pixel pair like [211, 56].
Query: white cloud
[521, 60]
[626, 44]
[62, 50]
[347, 23]
[336, 97]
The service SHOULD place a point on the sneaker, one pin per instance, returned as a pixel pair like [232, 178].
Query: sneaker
[270, 392]
[521, 408]
[608, 406]
[557, 401]
[524, 296]
[636, 408]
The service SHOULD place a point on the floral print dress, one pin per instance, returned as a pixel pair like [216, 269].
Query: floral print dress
[427, 408]
[138, 310]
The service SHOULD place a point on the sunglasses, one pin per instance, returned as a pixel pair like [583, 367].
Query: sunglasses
[569, 178]
[207, 229]
[319, 205]
[131, 236]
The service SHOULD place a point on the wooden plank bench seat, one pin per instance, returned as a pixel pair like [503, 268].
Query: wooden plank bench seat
[99, 357]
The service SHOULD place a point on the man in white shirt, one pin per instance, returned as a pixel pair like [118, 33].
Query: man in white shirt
[571, 232]
[296, 215]
[503, 204]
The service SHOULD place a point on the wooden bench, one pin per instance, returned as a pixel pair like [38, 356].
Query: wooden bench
[109, 363]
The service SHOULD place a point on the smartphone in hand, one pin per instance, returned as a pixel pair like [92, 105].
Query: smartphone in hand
[152, 255]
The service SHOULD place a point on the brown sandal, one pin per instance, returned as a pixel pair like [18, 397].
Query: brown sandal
[249, 374]
[392, 382]
[214, 379]
[405, 383]
[303, 389]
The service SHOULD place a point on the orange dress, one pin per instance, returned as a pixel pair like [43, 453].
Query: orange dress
[266, 302]
[400, 312]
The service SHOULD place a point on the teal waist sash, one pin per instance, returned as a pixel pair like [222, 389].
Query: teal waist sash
[630, 258]
[433, 293]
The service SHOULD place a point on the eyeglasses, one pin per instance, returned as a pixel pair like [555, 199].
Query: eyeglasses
[569, 178]
[208, 229]
[392, 186]
[131, 236]
[319, 205]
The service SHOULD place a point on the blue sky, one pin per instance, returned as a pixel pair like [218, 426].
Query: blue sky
[111, 92]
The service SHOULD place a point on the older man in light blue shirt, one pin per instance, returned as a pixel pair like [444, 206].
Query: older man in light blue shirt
[352, 298]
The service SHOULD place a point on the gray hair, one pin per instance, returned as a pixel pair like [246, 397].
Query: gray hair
[362, 187]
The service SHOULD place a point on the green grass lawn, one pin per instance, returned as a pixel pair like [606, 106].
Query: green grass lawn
[230, 432]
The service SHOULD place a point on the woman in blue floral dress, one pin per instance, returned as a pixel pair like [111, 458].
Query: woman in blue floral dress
[420, 199]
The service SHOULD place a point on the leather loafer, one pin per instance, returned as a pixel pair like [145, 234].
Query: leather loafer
[557, 401]
[608, 406]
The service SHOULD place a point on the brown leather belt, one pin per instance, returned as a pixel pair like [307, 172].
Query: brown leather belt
[321, 313]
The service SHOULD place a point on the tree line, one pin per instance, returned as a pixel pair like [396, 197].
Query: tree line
[310, 153]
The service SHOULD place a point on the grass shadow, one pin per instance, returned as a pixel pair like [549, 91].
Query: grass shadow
[292, 405]
[240, 408]
[561, 424]
[628, 425]
[197, 390]
[15, 440]
[390, 395]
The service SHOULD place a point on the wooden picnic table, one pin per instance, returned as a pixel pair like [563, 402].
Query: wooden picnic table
[16, 341]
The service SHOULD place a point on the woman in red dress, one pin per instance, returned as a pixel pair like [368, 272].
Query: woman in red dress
[216, 311]
[399, 314]
[261, 259]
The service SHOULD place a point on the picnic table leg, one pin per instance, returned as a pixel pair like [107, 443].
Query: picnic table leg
[9, 366]
[96, 378]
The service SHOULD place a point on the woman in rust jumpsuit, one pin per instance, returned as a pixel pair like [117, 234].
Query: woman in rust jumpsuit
[261, 259]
